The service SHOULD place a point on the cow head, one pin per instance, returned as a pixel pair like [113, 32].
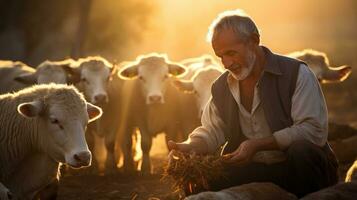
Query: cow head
[319, 64]
[49, 72]
[61, 115]
[153, 72]
[95, 73]
[200, 85]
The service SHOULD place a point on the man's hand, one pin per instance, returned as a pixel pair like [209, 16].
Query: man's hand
[192, 145]
[243, 154]
[249, 148]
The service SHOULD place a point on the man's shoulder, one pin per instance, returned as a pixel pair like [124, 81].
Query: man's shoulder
[221, 81]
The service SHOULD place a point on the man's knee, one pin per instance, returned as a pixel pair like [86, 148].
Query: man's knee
[304, 150]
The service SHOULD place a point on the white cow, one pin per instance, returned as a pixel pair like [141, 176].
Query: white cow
[94, 73]
[41, 127]
[17, 75]
[319, 64]
[149, 103]
[97, 79]
[200, 85]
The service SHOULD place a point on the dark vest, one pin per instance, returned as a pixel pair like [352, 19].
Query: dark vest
[276, 88]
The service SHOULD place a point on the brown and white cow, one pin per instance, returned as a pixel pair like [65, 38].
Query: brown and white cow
[149, 103]
[41, 127]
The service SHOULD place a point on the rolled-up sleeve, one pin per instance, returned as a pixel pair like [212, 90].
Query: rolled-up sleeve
[308, 111]
[211, 130]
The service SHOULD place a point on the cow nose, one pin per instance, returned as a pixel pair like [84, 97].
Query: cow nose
[100, 98]
[155, 98]
[83, 158]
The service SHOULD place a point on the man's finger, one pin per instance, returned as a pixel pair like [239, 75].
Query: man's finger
[237, 158]
[184, 147]
[171, 145]
[227, 156]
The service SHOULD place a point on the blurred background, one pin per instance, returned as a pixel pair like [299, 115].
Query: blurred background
[35, 30]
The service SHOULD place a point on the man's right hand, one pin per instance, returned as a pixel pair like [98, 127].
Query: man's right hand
[196, 145]
[183, 146]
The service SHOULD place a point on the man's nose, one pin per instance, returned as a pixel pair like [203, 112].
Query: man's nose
[227, 62]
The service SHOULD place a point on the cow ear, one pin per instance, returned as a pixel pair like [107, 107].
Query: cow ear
[73, 73]
[185, 86]
[30, 109]
[176, 69]
[27, 78]
[129, 72]
[94, 112]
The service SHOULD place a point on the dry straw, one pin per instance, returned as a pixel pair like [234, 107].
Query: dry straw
[192, 173]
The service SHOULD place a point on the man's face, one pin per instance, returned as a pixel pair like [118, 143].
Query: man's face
[237, 57]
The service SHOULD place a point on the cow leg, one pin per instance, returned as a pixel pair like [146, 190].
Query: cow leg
[126, 146]
[146, 142]
[99, 154]
[110, 164]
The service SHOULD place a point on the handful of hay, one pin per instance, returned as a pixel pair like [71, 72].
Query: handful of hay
[192, 173]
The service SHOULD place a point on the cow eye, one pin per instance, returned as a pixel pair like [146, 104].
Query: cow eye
[166, 76]
[84, 80]
[196, 93]
[141, 78]
[55, 121]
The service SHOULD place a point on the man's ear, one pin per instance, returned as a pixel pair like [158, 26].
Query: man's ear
[30, 109]
[94, 112]
[129, 72]
[27, 78]
[185, 86]
[176, 69]
[255, 39]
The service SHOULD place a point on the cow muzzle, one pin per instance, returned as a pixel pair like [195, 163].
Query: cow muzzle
[81, 159]
[155, 99]
[100, 99]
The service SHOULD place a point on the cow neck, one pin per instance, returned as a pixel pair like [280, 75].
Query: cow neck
[16, 146]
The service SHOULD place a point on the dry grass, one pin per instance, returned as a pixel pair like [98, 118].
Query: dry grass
[192, 173]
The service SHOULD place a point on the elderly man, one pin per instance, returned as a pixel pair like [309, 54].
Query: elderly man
[271, 111]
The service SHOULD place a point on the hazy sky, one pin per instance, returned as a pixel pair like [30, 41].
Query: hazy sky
[178, 27]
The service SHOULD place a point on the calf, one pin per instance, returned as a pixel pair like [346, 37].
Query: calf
[149, 103]
[98, 80]
[41, 127]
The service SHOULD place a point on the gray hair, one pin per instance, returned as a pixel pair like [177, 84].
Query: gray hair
[236, 20]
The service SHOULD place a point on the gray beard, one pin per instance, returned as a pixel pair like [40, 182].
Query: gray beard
[247, 70]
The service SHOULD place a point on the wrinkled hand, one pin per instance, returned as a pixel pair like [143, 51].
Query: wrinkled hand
[5, 193]
[243, 154]
[198, 146]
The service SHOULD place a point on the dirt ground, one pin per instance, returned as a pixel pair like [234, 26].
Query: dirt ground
[125, 186]
[118, 186]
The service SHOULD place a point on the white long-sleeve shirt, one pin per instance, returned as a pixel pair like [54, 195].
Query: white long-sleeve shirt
[308, 111]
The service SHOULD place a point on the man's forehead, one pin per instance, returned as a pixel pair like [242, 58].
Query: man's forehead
[225, 40]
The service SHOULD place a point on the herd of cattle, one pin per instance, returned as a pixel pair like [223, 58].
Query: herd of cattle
[44, 111]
